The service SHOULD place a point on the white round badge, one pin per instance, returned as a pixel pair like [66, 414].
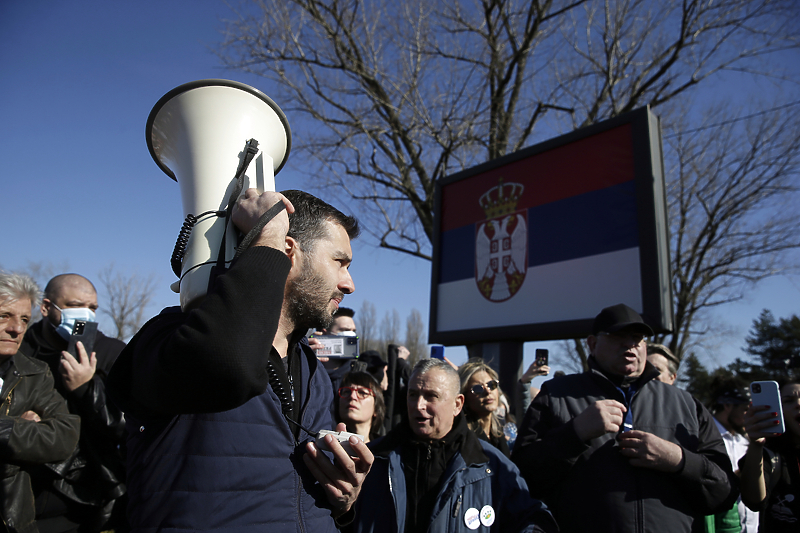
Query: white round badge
[487, 515]
[472, 518]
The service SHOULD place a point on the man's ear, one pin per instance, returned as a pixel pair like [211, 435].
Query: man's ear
[44, 308]
[292, 250]
[591, 341]
[459, 404]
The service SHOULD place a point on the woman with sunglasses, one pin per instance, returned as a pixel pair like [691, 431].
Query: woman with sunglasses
[481, 389]
[361, 407]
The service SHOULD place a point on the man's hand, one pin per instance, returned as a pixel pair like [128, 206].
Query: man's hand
[248, 211]
[315, 344]
[30, 415]
[341, 479]
[403, 353]
[603, 416]
[75, 373]
[648, 451]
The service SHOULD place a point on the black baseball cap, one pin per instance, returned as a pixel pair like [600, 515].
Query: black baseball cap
[618, 318]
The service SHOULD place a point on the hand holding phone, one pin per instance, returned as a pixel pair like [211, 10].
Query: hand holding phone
[765, 416]
[85, 332]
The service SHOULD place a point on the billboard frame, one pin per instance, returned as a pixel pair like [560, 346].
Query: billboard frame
[651, 214]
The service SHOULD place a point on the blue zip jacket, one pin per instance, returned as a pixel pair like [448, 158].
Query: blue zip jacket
[481, 487]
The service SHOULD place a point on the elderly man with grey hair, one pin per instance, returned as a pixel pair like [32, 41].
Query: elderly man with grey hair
[35, 425]
[434, 475]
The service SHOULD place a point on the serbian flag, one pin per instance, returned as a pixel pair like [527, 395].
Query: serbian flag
[551, 237]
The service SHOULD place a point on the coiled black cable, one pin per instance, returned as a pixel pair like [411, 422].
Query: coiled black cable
[183, 239]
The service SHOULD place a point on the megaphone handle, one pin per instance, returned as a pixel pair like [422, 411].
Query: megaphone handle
[263, 221]
[250, 150]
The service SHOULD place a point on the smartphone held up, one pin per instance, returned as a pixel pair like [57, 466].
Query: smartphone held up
[768, 393]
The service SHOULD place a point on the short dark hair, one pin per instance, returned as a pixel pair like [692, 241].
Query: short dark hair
[306, 224]
[344, 311]
[54, 287]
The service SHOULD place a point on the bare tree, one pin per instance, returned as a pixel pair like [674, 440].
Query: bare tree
[415, 337]
[126, 299]
[393, 96]
[732, 203]
[367, 327]
[390, 328]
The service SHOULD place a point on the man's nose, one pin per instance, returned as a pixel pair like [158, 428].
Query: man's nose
[346, 284]
[15, 326]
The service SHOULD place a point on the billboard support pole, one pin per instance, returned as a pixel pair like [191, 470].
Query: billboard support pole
[506, 359]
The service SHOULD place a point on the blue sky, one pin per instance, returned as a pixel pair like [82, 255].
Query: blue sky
[81, 190]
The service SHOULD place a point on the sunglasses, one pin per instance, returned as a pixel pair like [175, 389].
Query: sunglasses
[361, 394]
[478, 390]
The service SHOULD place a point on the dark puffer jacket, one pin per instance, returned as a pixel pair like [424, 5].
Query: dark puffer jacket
[590, 486]
[208, 446]
[25, 444]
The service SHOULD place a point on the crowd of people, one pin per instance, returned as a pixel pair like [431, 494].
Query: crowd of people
[212, 418]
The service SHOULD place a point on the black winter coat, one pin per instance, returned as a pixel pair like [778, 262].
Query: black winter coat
[590, 486]
[95, 472]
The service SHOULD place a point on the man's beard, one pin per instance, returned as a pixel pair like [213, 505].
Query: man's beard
[308, 300]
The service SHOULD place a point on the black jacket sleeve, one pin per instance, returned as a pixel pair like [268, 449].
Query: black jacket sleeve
[213, 358]
[707, 475]
[544, 462]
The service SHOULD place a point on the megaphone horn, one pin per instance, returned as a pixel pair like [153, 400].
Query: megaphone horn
[204, 134]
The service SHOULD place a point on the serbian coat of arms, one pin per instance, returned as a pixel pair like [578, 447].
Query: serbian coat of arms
[501, 243]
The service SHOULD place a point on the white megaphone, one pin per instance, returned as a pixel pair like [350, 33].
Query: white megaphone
[197, 133]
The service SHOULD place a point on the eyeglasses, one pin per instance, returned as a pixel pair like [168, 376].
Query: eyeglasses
[633, 338]
[361, 394]
[478, 390]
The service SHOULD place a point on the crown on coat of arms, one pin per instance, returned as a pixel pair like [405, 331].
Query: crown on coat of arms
[502, 199]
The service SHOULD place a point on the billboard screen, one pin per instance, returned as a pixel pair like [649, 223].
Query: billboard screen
[533, 245]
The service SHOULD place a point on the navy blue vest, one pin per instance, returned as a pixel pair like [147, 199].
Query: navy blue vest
[239, 470]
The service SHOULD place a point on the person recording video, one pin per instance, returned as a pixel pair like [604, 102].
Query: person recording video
[214, 397]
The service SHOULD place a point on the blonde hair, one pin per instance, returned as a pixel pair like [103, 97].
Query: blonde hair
[465, 373]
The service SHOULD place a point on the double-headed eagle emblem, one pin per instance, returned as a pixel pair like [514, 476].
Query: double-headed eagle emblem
[501, 243]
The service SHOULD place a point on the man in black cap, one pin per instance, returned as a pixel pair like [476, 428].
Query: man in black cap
[614, 449]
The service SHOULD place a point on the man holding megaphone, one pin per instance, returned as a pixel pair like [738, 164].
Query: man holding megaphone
[223, 401]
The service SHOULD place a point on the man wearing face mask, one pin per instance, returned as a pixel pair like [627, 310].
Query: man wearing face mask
[84, 491]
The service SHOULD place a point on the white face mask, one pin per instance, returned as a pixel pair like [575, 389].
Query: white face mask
[68, 318]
